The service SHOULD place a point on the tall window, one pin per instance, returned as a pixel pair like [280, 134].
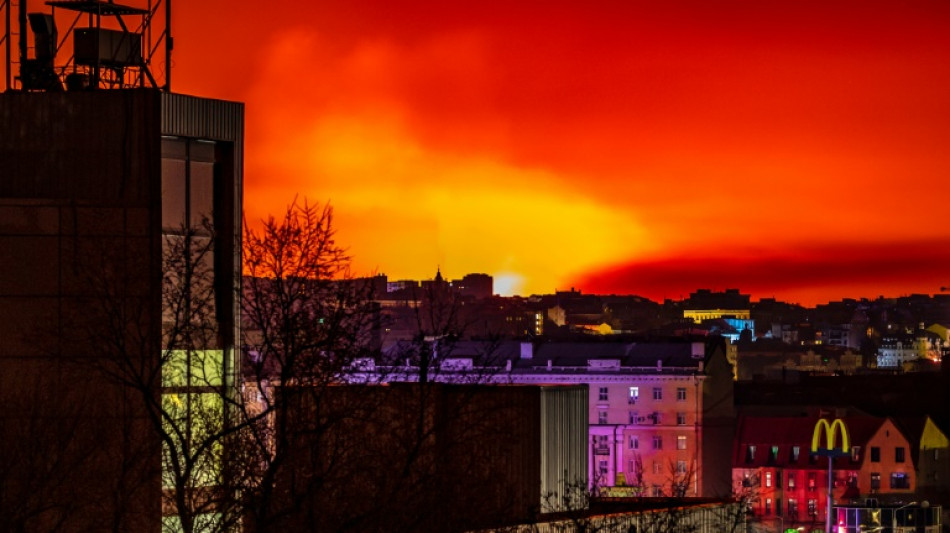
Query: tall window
[681, 394]
[812, 507]
[634, 442]
[681, 442]
[634, 395]
[633, 416]
[768, 506]
[680, 467]
[602, 467]
[875, 480]
[899, 454]
[795, 452]
[657, 442]
[791, 482]
[900, 480]
[680, 419]
[750, 453]
[657, 393]
[601, 417]
[792, 506]
[602, 394]
[768, 479]
[875, 454]
[193, 369]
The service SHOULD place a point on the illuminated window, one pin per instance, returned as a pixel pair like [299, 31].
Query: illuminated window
[792, 507]
[680, 419]
[681, 442]
[768, 506]
[657, 393]
[773, 454]
[900, 480]
[768, 479]
[812, 483]
[681, 394]
[680, 467]
[634, 395]
[602, 394]
[795, 451]
[855, 453]
[750, 453]
[812, 507]
[791, 482]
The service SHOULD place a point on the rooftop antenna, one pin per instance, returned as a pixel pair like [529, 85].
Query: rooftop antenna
[106, 45]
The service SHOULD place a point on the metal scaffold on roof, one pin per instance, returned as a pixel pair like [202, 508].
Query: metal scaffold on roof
[104, 45]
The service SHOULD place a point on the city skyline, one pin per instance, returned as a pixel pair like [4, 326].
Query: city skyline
[790, 149]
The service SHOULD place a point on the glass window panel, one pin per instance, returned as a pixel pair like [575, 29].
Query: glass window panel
[206, 366]
[202, 194]
[173, 194]
[193, 420]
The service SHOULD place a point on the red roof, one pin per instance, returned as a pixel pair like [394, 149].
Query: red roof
[783, 433]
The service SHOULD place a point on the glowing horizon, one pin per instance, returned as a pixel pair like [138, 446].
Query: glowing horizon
[794, 149]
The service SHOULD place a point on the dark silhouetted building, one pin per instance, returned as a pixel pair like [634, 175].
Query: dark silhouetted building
[94, 184]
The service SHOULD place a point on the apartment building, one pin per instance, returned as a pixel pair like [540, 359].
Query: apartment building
[774, 467]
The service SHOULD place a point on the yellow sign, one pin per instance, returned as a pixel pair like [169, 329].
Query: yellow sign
[831, 434]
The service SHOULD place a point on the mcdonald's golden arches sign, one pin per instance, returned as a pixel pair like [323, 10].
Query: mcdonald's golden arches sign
[831, 431]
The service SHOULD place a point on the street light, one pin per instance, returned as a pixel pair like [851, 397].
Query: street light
[923, 505]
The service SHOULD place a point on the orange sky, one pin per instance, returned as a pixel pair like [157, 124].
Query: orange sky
[795, 149]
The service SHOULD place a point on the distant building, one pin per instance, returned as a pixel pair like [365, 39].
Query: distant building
[772, 459]
[477, 286]
[660, 413]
